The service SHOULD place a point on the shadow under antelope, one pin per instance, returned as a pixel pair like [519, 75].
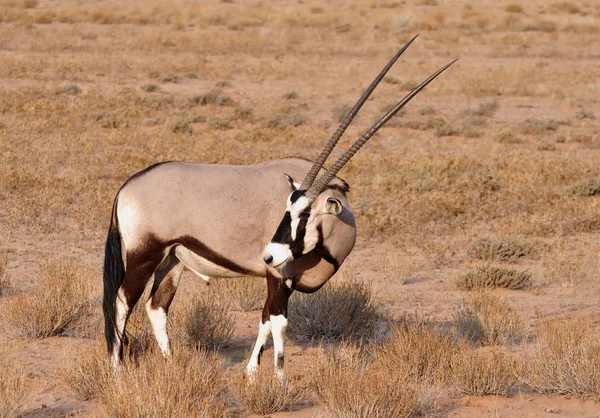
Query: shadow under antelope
[225, 221]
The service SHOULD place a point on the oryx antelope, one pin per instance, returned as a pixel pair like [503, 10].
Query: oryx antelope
[226, 221]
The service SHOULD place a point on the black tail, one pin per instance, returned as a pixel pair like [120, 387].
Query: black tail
[114, 274]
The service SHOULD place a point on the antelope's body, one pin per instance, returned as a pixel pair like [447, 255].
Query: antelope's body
[215, 220]
[225, 221]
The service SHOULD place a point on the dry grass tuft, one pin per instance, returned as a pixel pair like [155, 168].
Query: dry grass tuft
[486, 109]
[546, 146]
[537, 126]
[203, 322]
[190, 384]
[483, 372]
[418, 350]
[588, 187]
[30, 4]
[501, 250]
[509, 138]
[565, 359]
[348, 384]
[213, 97]
[68, 89]
[343, 309]
[61, 305]
[243, 293]
[483, 318]
[90, 374]
[398, 270]
[179, 125]
[492, 276]
[266, 394]
[12, 384]
[4, 282]
[149, 88]
[513, 8]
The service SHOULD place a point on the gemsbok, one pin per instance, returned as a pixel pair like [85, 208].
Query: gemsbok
[225, 221]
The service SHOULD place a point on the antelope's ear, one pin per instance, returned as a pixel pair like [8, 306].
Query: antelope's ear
[334, 206]
[290, 181]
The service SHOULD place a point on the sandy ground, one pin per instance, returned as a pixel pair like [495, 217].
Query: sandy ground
[537, 64]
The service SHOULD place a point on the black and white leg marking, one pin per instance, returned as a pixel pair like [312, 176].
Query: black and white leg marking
[166, 280]
[274, 320]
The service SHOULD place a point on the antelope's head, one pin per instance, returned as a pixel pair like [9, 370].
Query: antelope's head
[318, 206]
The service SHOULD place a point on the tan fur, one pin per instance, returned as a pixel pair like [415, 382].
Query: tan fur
[233, 210]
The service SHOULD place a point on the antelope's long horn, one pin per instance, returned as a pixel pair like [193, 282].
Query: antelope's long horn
[310, 177]
[318, 186]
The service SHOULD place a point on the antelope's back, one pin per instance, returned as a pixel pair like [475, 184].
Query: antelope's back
[231, 209]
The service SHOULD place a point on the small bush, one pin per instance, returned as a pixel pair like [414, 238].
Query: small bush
[213, 97]
[482, 318]
[149, 88]
[179, 125]
[12, 384]
[491, 276]
[537, 126]
[509, 138]
[348, 384]
[30, 4]
[219, 124]
[203, 322]
[513, 8]
[61, 305]
[448, 129]
[486, 109]
[417, 349]
[428, 110]
[68, 89]
[546, 146]
[190, 384]
[89, 375]
[398, 270]
[283, 120]
[585, 114]
[501, 250]
[290, 95]
[565, 359]
[244, 293]
[4, 282]
[588, 187]
[342, 309]
[266, 394]
[483, 372]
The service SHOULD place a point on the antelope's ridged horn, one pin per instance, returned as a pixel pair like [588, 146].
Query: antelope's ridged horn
[320, 184]
[310, 177]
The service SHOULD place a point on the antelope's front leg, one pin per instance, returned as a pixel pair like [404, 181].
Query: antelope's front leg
[274, 319]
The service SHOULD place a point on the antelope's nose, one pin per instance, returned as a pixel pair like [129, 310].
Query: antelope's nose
[268, 258]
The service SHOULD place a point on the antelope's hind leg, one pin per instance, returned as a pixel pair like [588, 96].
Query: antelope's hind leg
[137, 275]
[166, 280]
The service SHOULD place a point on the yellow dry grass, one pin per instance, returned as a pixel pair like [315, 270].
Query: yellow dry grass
[564, 360]
[12, 383]
[505, 144]
[264, 393]
[62, 304]
[483, 318]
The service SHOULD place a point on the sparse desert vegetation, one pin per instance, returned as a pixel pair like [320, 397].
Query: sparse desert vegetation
[345, 309]
[477, 208]
[61, 304]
